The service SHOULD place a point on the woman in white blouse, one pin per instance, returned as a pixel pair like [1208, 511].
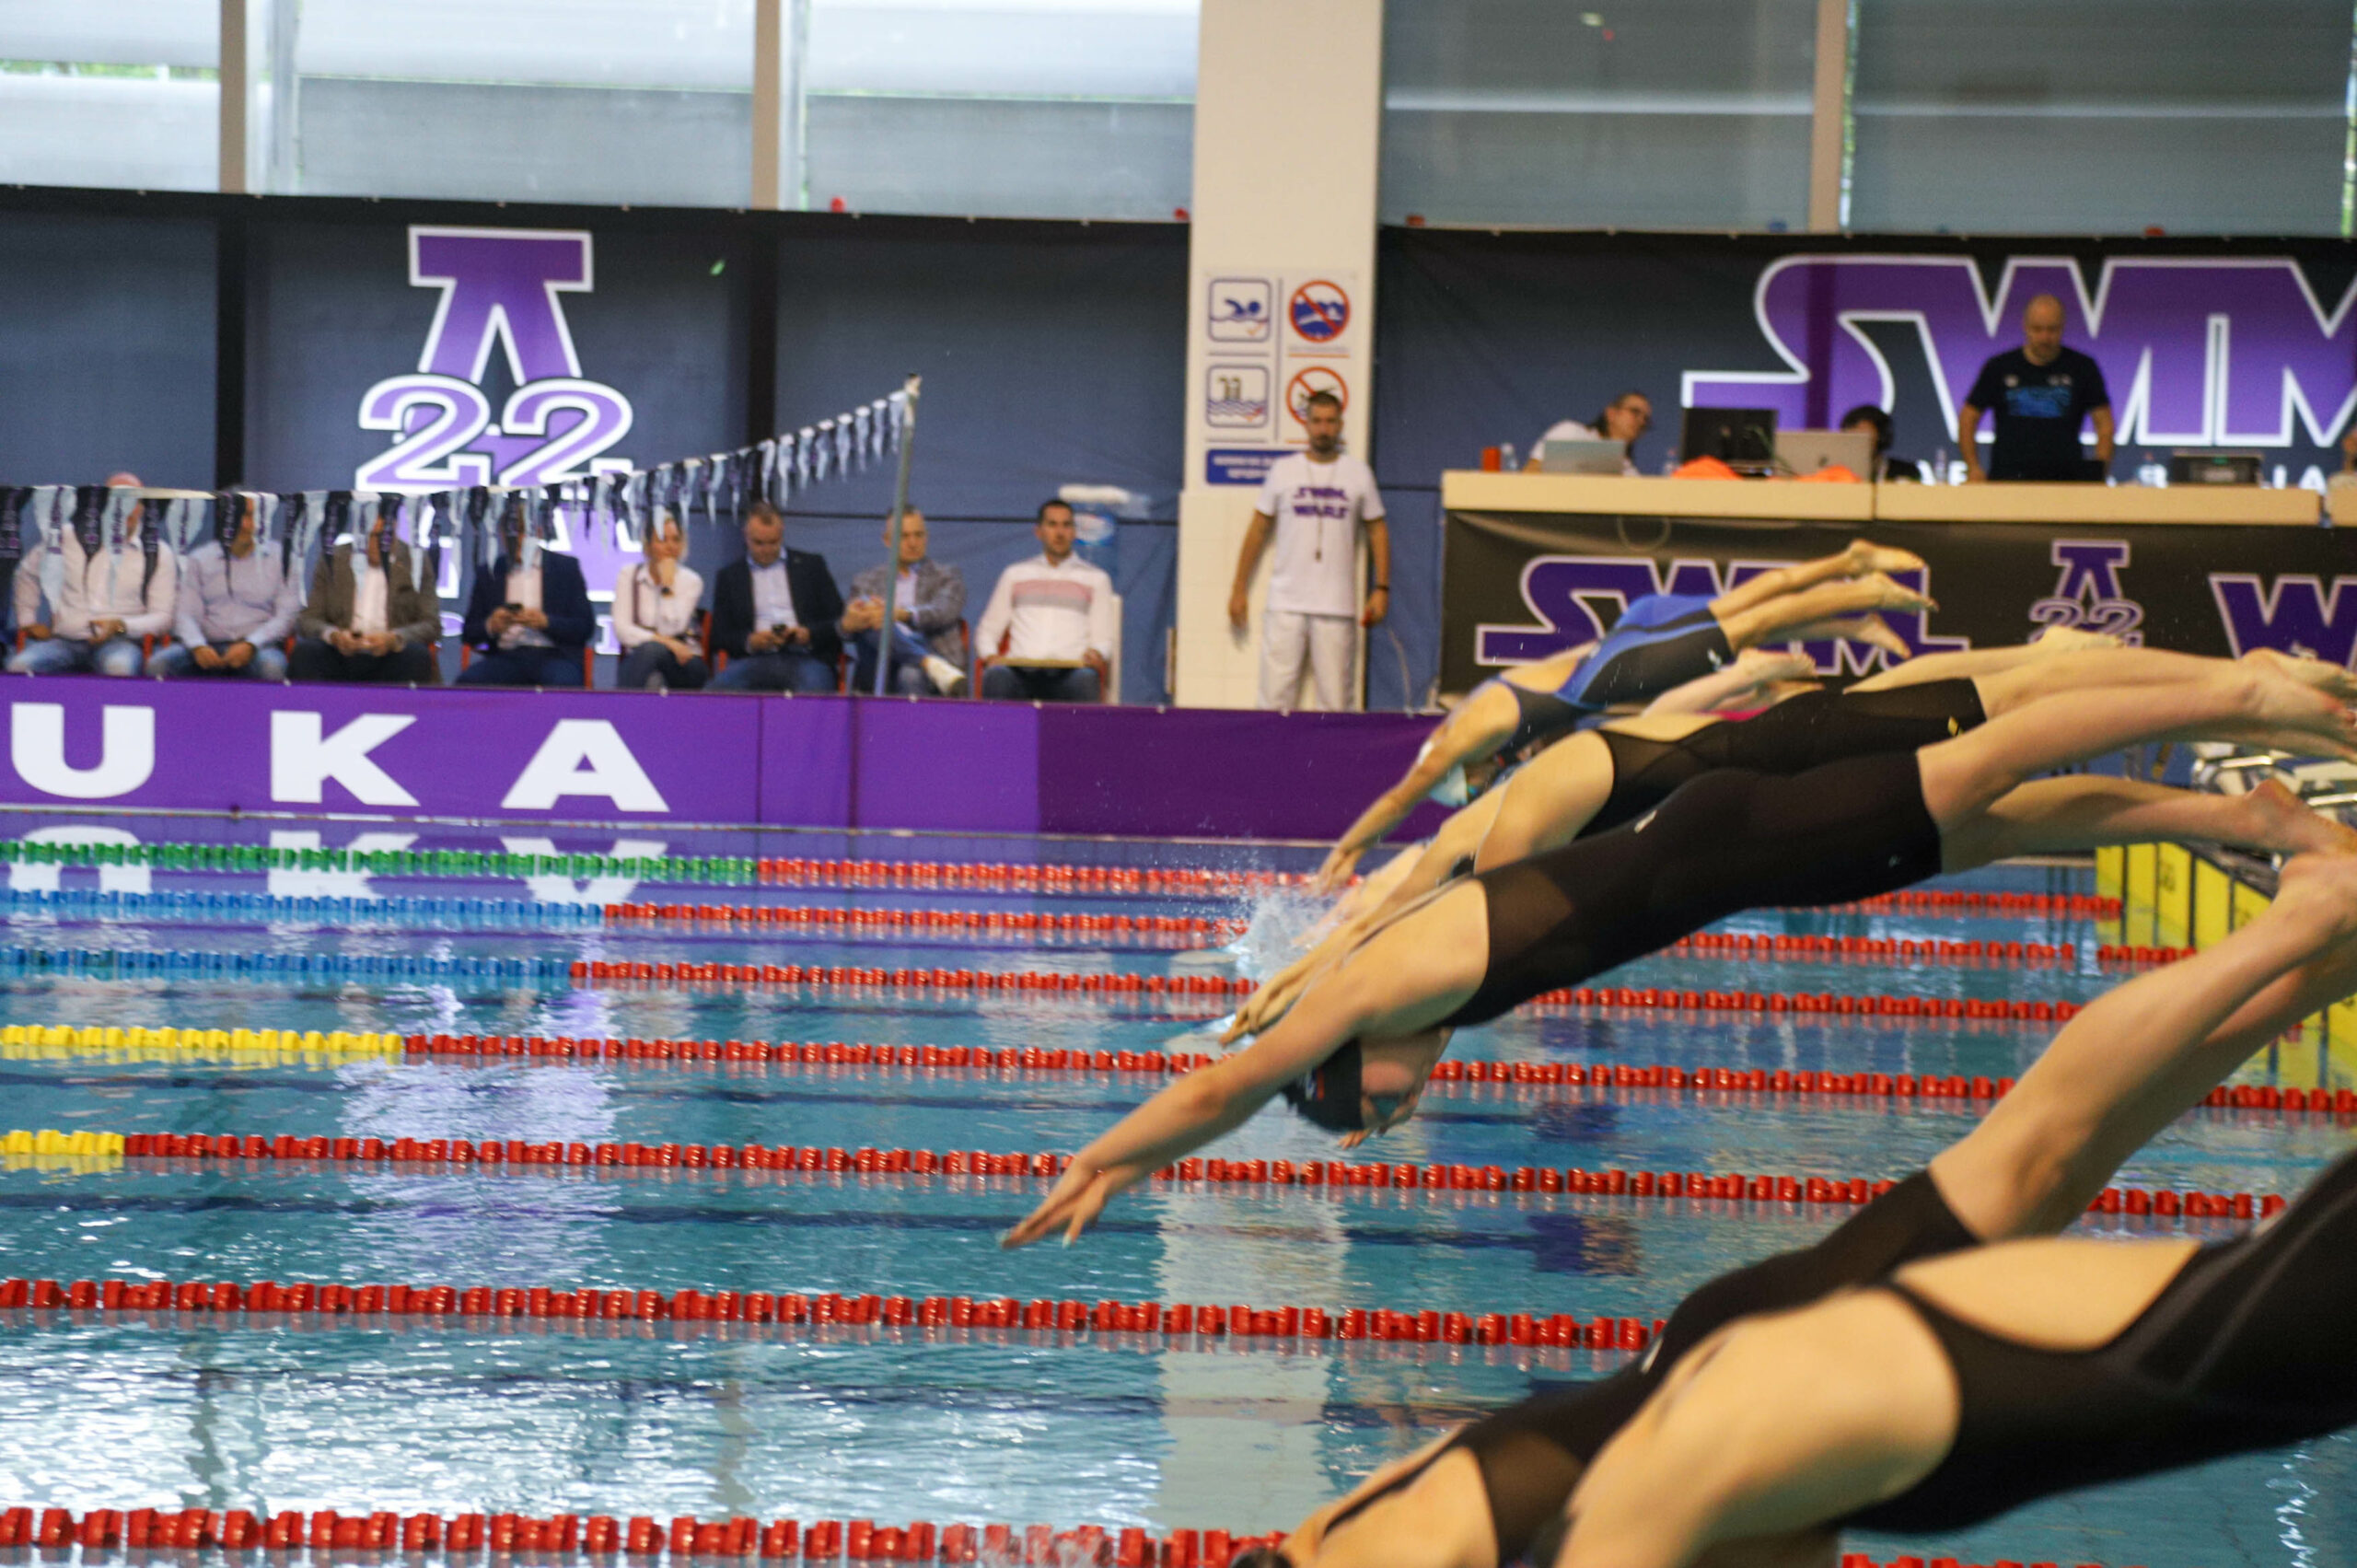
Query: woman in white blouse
[654, 616]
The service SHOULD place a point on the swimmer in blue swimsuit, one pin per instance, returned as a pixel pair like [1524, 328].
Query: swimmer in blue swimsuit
[1661, 641]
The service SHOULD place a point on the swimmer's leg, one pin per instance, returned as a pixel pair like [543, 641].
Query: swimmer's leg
[2088, 811]
[2143, 1053]
[1787, 615]
[1966, 776]
[1855, 562]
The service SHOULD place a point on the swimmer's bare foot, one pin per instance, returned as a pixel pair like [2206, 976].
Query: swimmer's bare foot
[2072, 640]
[1863, 557]
[2321, 674]
[1893, 595]
[2286, 715]
[1875, 633]
[2281, 822]
[2322, 886]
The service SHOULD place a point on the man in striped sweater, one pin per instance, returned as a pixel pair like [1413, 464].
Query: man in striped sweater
[1050, 624]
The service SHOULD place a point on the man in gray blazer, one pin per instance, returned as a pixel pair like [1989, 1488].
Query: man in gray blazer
[368, 621]
[928, 644]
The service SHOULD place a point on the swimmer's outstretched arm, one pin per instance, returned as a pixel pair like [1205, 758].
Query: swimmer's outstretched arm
[1407, 978]
[1426, 872]
[1860, 559]
[1473, 733]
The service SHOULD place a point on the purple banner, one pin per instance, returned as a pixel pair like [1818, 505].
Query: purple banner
[639, 758]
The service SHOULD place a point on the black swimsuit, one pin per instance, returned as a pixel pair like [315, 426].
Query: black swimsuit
[1727, 842]
[2248, 1347]
[1800, 732]
[1532, 1455]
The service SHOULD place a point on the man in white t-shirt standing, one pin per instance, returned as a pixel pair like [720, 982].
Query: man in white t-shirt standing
[1316, 502]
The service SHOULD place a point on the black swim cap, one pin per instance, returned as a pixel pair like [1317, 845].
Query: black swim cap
[1259, 1557]
[1328, 1096]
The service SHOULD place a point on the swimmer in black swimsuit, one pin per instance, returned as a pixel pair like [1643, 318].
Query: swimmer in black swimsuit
[1356, 1051]
[1599, 779]
[1956, 1389]
[2126, 1067]
[1533, 703]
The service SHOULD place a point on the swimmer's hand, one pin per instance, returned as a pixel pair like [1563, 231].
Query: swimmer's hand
[1072, 1205]
[1863, 557]
[1273, 1000]
[1335, 874]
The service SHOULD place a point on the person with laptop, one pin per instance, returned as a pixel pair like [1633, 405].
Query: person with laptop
[1624, 419]
[2041, 394]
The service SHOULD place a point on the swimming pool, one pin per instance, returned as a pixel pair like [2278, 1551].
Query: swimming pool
[450, 934]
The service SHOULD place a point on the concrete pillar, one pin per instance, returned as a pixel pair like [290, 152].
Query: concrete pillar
[1288, 124]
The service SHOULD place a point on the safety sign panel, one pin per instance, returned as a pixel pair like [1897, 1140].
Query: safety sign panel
[1265, 339]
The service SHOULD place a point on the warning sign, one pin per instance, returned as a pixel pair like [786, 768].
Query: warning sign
[1308, 380]
[1320, 312]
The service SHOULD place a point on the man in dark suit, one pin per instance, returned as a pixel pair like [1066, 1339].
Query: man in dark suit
[529, 617]
[776, 613]
[367, 618]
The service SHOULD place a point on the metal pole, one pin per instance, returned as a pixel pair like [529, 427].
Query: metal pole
[766, 88]
[900, 505]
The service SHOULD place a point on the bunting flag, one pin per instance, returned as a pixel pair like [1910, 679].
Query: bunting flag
[621, 502]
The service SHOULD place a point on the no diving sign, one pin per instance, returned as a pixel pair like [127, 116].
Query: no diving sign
[1320, 312]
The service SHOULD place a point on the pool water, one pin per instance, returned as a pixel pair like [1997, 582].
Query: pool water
[138, 1409]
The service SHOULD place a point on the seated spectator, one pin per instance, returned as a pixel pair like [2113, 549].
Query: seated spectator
[528, 615]
[1867, 417]
[368, 621]
[1624, 419]
[926, 606]
[236, 605]
[1055, 614]
[654, 616]
[106, 598]
[776, 613]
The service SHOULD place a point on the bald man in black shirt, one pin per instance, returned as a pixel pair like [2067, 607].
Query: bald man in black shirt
[2041, 394]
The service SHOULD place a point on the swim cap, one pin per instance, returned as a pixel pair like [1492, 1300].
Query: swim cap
[1452, 791]
[1259, 1557]
[1328, 1096]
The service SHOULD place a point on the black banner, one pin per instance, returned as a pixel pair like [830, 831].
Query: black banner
[1519, 585]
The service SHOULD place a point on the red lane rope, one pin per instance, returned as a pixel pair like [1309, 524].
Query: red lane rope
[1334, 1176]
[591, 1305]
[830, 921]
[978, 1061]
[1158, 988]
[1114, 881]
[679, 1538]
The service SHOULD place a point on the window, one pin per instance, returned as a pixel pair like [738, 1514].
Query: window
[539, 100]
[992, 108]
[117, 93]
[1673, 114]
[2100, 116]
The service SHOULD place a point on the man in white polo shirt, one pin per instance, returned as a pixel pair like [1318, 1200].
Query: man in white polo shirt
[1050, 622]
[1315, 501]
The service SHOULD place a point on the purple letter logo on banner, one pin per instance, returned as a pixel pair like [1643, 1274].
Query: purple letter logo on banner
[2300, 615]
[2198, 351]
[2088, 594]
[1577, 598]
[500, 291]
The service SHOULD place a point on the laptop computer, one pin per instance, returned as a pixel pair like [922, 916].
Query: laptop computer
[1740, 437]
[1582, 457]
[1806, 451]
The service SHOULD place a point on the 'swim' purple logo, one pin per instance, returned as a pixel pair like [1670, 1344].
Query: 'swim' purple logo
[1576, 599]
[2198, 350]
[500, 294]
